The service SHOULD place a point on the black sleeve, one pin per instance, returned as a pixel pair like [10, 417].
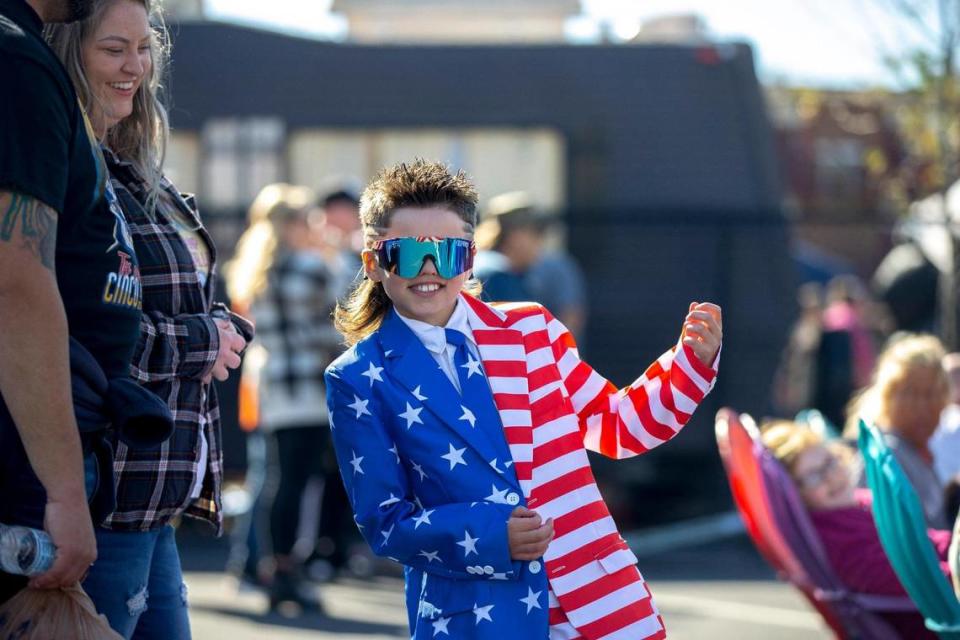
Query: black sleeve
[35, 136]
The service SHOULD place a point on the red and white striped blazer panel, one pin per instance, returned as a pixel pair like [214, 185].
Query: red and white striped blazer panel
[554, 407]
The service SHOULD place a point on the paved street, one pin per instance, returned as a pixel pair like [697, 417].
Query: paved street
[719, 590]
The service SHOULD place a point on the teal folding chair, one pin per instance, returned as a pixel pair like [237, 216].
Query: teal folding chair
[903, 534]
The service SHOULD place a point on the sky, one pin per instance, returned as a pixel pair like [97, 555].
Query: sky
[829, 43]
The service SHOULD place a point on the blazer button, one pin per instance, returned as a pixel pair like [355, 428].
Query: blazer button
[513, 498]
[487, 569]
[534, 566]
[471, 570]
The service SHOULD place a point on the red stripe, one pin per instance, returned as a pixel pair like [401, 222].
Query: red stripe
[579, 517]
[633, 612]
[557, 447]
[682, 381]
[601, 588]
[581, 555]
[577, 378]
[496, 336]
[630, 442]
[564, 484]
[705, 372]
[518, 435]
[540, 377]
[650, 424]
[505, 368]
[511, 401]
[524, 470]
[556, 616]
[535, 340]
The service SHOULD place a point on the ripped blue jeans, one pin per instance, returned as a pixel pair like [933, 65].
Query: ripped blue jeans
[137, 584]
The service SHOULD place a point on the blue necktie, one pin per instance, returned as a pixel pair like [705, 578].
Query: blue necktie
[469, 371]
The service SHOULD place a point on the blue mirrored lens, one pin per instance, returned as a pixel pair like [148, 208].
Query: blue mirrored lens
[405, 256]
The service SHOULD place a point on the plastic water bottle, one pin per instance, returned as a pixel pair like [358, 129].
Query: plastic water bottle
[25, 551]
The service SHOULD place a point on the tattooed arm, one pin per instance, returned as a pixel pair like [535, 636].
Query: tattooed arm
[35, 378]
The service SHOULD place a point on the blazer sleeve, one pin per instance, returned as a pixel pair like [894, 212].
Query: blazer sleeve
[621, 423]
[462, 540]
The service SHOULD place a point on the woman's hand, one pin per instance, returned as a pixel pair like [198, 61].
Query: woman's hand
[703, 331]
[232, 345]
[527, 535]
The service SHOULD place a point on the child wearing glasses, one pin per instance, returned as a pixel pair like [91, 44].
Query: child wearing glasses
[841, 516]
[462, 430]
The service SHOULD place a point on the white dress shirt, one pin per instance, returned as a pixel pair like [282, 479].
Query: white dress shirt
[434, 338]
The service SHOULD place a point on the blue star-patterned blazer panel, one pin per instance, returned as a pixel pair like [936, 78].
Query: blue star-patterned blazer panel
[429, 476]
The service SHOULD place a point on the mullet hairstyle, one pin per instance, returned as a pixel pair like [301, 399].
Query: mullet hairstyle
[141, 137]
[420, 184]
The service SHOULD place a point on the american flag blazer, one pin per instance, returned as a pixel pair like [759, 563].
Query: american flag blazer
[434, 494]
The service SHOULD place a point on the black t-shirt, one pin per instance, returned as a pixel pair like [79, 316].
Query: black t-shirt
[48, 151]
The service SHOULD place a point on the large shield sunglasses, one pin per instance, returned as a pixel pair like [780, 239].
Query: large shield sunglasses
[405, 256]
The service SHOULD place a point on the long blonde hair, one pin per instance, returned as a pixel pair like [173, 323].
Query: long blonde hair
[420, 184]
[275, 204]
[140, 138]
[902, 356]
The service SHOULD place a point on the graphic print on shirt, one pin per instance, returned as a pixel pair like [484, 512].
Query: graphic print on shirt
[122, 287]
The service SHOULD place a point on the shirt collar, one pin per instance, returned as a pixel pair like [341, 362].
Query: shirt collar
[434, 338]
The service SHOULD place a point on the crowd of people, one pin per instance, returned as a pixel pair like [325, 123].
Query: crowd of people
[846, 360]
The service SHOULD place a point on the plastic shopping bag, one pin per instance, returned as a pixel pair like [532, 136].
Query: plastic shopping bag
[53, 614]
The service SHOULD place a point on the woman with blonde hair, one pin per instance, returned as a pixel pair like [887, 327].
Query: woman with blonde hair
[289, 282]
[909, 391]
[115, 60]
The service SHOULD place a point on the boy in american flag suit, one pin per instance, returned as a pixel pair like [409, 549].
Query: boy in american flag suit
[462, 432]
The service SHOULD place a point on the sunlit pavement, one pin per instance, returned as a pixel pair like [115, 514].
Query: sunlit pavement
[721, 590]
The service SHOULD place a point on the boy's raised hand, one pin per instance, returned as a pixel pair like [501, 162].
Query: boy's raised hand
[703, 331]
[527, 535]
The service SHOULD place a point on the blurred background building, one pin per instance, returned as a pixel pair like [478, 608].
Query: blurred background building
[678, 175]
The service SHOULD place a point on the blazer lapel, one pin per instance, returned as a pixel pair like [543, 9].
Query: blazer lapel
[504, 359]
[411, 366]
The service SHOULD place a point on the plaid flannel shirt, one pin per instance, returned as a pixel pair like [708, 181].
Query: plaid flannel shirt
[177, 348]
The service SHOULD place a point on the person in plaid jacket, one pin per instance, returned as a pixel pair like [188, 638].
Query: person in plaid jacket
[115, 59]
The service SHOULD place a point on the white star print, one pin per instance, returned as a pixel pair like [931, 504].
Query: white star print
[389, 501]
[469, 544]
[431, 556]
[411, 415]
[440, 626]
[373, 372]
[360, 406]
[423, 518]
[419, 469]
[482, 613]
[386, 534]
[493, 463]
[532, 600]
[388, 352]
[356, 463]
[468, 416]
[416, 501]
[472, 367]
[455, 456]
[499, 497]
[394, 451]
[418, 395]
